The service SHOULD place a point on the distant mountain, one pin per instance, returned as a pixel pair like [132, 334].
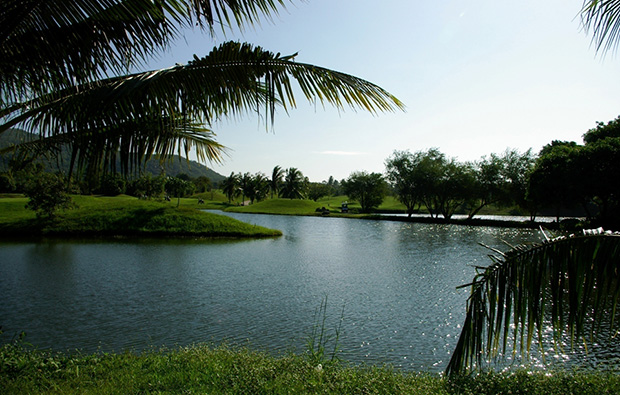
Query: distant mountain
[173, 167]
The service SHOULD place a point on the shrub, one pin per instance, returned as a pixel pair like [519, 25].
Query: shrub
[48, 194]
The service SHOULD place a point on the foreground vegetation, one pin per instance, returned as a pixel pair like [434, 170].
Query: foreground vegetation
[122, 216]
[207, 370]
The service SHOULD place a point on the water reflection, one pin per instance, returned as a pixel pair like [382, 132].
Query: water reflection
[396, 281]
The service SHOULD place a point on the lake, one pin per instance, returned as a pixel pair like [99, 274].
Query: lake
[393, 283]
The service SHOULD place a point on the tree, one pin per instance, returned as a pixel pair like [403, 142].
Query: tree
[501, 180]
[48, 194]
[294, 184]
[112, 184]
[178, 187]
[603, 131]
[202, 183]
[317, 190]
[64, 75]
[490, 185]
[401, 173]
[441, 184]
[368, 189]
[453, 188]
[230, 186]
[599, 167]
[258, 187]
[517, 170]
[148, 186]
[556, 180]
[276, 180]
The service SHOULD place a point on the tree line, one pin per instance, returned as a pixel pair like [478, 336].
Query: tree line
[563, 179]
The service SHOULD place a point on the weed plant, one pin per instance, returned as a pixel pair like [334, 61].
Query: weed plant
[320, 339]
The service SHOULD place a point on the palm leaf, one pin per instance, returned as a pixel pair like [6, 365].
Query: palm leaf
[133, 142]
[602, 18]
[46, 45]
[233, 79]
[571, 283]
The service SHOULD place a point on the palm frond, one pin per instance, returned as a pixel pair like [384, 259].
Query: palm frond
[47, 45]
[571, 283]
[134, 142]
[231, 80]
[602, 18]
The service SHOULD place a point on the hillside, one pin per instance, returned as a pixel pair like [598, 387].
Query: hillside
[173, 167]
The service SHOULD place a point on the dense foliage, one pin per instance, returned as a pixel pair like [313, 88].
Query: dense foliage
[568, 175]
[444, 185]
[368, 189]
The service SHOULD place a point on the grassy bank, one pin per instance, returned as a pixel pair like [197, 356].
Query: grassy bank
[123, 216]
[390, 205]
[205, 370]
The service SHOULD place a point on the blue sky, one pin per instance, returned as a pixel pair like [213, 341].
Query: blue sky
[477, 77]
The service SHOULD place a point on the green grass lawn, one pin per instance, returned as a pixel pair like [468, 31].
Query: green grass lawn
[205, 370]
[129, 216]
[308, 207]
[124, 216]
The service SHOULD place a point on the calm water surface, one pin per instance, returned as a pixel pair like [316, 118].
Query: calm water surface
[395, 282]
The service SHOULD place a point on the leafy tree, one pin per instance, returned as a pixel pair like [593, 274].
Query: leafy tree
[7, 182]
[555, 179]
[501, 180]
[453, 188]
[147, 186]
[599, 167]
[603, 131]
[202, 184]
[317, 190]
[184, 176]
[369, 189]
[517, 170]
[64, 75]
[230, 187]
[276, 180]
[178, 187]
[401, 173]
[48, 193]
[335, 188]
[490, 185]
[112, 184]
[427, 175]
[294, 185]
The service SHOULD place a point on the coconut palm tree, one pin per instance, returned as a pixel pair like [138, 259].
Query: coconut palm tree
[66, 75]
[259, 187]
[276, 180]
[568, 283]
[230, 186]
[293, 186]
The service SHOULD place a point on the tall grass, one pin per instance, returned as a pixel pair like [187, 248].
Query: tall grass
[320, 339]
